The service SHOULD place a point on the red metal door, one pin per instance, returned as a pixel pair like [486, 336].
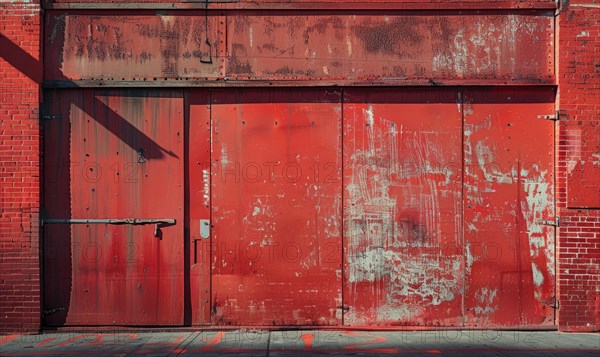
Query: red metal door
[113, 155]
[276, 207]
[402, 207]
[508, 204]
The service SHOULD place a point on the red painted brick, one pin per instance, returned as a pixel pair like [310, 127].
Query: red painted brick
[19, 191]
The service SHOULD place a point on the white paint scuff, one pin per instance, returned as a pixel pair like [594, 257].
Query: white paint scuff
[206, 186]
[224, 160]
[486, 301]
[397, 252]
[538, 277]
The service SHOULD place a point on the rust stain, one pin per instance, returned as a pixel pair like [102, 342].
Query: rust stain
[446, 46]
[137, 47]
[397, 37]
[276, 45]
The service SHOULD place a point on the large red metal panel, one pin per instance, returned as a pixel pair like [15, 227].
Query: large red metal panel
[300, 45]
[404, 46]
[138, 46]
[114, 154]
[276, 207]
[509, 194]
[402, 207]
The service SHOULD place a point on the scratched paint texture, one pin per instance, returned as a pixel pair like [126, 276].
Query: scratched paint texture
[105, 158]
[269, 45]
[476, 45]
[508, 193]
[402, 181]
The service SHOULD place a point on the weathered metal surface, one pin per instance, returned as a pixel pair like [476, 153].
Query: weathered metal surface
[198, 200]
[508, 194]
[436, 45]
[276, 207]
[447, 201]
[114, 154]
[402, 207]
[426, 46]
[134, 46]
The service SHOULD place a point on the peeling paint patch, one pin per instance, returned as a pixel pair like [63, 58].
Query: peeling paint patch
[538, 277]
[535, 207]
[469, 259]
[488, 166]
[395, 191]
[486, 298]
[509, 194]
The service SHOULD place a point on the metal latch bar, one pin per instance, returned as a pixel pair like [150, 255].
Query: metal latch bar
[136, 221]
[158, 222]
[554, 223]
[556, 116]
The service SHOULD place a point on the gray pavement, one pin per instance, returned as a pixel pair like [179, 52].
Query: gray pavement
[301, 343]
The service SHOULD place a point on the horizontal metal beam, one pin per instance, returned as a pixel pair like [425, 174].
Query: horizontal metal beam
[332, 5]
[291, 83]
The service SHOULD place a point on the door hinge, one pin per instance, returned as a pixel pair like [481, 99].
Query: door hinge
[344, 308]
[549, 222]
[553, 302]
[556, 116]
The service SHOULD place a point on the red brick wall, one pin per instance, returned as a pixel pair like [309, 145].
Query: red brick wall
[19, 165]
[578, 179]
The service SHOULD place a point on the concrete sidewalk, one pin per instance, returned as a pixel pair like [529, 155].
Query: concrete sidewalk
[301, 343]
